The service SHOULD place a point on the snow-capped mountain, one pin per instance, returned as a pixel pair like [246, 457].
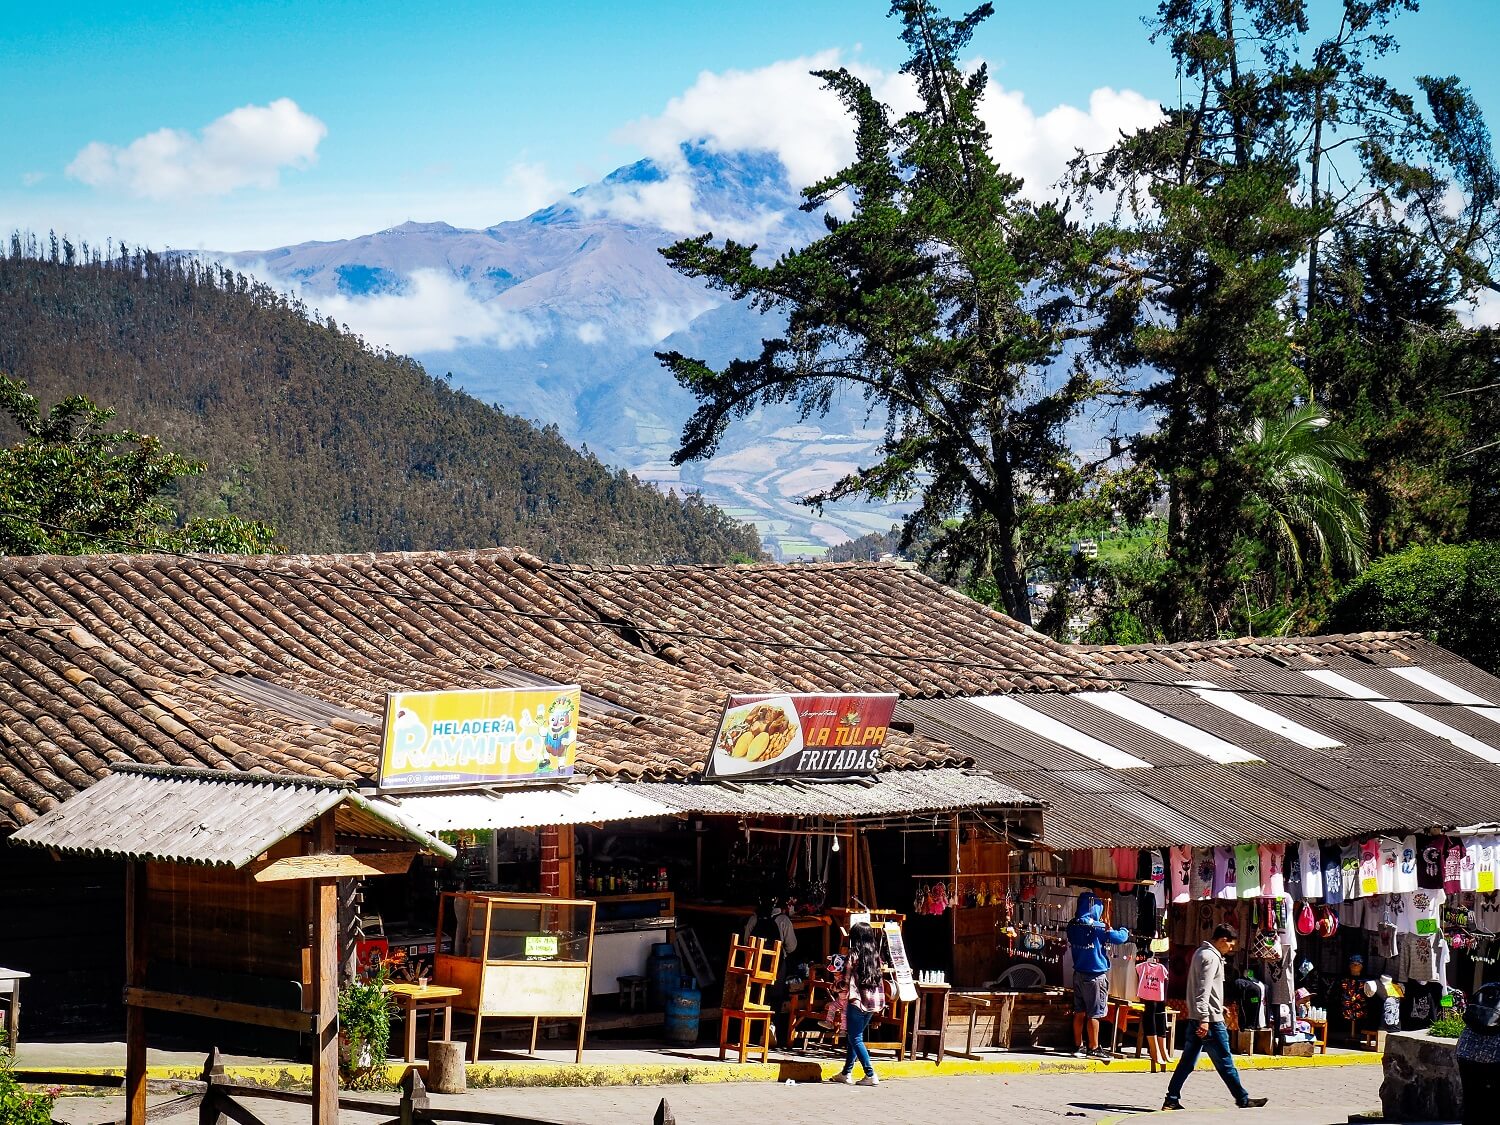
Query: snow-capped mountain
[555, 317]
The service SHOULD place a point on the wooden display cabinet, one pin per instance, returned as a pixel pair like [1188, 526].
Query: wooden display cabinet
[516, 957]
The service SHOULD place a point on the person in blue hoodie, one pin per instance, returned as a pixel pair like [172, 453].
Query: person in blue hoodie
[1088, 934]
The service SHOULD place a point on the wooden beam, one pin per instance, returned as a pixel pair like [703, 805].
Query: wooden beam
[332, 866]
[135, 975]
[325, 994]
[283, 1018]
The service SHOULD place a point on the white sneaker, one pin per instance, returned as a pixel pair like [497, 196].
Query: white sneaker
[868, 1080]
[844, 1078]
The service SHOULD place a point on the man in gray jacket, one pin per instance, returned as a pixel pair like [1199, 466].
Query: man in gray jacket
[1206, 1031]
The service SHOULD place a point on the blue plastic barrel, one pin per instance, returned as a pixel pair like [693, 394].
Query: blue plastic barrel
[663, 973]
[684, 1010]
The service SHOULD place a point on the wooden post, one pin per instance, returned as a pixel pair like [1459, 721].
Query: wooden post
[325, 973]
[664, 1115]
[414, 1102]
[955, 852]
[135, 977]
[566, 862]
[213, 1071]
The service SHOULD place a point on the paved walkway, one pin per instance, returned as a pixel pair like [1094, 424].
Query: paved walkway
[1316, 1096]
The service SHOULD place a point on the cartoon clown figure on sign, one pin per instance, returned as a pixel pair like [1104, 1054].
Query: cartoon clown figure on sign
[560, 733]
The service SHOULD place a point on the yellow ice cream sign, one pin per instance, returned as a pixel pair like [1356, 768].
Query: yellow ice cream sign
[449, 739]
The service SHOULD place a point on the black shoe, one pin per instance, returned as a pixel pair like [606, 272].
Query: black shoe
[1102, 1055]
[1170, 1104]
[1253, 1103]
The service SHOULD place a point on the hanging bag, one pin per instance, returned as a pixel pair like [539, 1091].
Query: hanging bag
[1483, 1012]
[1306, 923]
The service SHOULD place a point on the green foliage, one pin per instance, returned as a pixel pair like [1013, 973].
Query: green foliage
[365, 1010]
[303, 427]
[1449, 593]
[1447, 1027]
[17, 1105]
[73, 486]
[935, 300]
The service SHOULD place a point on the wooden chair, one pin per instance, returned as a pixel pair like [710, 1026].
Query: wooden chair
[751, 971]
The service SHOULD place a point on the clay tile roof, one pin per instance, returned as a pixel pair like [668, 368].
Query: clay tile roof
[282, 663]
[885, 624]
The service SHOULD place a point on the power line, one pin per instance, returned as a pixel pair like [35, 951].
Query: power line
[1106, 674]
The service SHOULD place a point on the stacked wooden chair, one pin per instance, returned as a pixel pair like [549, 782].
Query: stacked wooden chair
[751, 971]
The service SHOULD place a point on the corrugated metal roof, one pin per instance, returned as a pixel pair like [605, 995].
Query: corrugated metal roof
[890, 794]
[210, 817]
[528, 808]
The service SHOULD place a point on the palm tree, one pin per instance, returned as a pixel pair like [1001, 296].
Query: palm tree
[1297, 496]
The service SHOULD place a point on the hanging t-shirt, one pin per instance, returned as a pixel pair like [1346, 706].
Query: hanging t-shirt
[1485, 863]
[1333, 874]
[1430, 863]
[1294, 872]
[1203, 872]
[1127, 864]
[1487, 914]
[1453, 866]
[1352, 913]
[1406, 866]
[1349, 860]
[1151, 980]
[1224, 878]
[1247, 870]
[1252, 1002]
[1421, 912]
[1312, 869]
[1158, 880]
[1271, 881]
[1180, 873]
[1368, 869]
[1468, 866]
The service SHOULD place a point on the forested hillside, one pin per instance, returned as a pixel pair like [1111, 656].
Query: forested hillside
[302, 425]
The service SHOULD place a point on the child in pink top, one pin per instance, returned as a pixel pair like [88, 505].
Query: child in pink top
[1151, 988]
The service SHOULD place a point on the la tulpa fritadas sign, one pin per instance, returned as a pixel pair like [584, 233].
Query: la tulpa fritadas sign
[453, 739]
[800, 735]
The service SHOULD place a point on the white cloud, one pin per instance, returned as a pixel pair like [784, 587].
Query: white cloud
[590, 332]
[31, 179]
[434, 312]
[783, 109]
[1484, 311]
[247, 147]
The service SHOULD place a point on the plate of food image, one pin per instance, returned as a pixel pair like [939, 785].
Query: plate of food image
[754, 735]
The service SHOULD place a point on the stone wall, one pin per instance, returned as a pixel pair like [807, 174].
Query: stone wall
[1421, 1078]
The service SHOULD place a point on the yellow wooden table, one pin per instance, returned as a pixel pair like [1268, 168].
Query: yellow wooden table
[414, 998]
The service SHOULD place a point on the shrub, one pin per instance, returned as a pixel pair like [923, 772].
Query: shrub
[19, 1106]
[1447, 1027]
[1450, 593]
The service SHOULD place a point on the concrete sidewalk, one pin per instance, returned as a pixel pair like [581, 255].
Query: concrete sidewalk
[1318, 1096]
[641, 1064]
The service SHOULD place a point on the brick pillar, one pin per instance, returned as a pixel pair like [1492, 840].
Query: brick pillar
[551, 870]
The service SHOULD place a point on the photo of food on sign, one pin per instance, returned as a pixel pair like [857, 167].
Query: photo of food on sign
[802, 735]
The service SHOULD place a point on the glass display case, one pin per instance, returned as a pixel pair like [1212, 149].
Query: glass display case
[516, 957]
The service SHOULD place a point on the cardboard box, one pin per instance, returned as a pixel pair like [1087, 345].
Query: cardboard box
[1299, 1050]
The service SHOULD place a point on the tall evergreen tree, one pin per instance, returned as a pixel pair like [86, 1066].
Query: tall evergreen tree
[935, 300]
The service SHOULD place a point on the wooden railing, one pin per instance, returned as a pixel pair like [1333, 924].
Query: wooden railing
[216, 1097]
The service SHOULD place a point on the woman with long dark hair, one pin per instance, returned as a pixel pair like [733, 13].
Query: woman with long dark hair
[864, 998]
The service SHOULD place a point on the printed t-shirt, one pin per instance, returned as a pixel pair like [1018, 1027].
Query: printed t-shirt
[1484, 865]
[1453, 867]
[1294, 872]
[1468, 869]
[1352, 913]
[1390, 864]
[1312, 869]
[1421, 912]
[1487, 914]
[1368, 869]
[1333, 874]
[1406, 867]
[1151, 980]
[1349, 860]
[1247, 870]
[1159, 880]
[1271, 882]
[1180, 871]
[1224, 881]
[1430, 863]
[1203, 874]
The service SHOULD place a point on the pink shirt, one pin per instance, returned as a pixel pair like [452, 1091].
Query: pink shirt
[1151, 980]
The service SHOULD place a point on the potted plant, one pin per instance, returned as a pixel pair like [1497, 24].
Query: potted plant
[365, 1010]
[19, 1106]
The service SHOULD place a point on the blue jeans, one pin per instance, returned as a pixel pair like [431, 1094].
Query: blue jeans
[857, 1020]
[1217, 1045]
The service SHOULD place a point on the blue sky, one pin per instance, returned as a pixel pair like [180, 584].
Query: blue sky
[477, 112]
